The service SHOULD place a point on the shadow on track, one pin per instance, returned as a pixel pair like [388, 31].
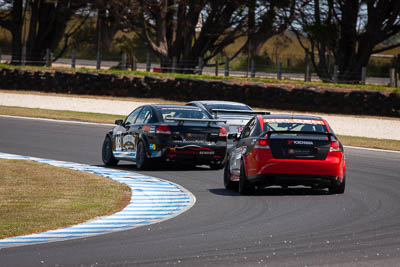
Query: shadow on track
[158, 167]
[273, 191]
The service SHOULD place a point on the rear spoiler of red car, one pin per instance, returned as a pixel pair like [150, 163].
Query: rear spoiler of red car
[268, 133]
[182, 120]
[245, 112]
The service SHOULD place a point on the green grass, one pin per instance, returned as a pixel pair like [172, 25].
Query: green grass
[36, 197]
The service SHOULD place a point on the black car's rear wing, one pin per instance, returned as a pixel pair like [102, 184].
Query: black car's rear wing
[244, 112]
[182, 120]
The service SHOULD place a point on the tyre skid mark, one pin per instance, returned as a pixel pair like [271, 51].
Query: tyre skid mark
[153, 200]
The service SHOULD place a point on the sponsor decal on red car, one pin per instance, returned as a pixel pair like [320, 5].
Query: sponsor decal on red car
[300, 142]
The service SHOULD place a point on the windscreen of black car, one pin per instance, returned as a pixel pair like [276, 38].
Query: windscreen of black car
[298, 140]
[226, 106]
[178, 113]
[190, 132]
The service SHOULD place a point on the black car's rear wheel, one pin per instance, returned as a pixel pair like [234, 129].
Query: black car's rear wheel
[106, 153]
[338, 189]
[142, 161]
[216, 166]
[245, 188]
[228, 183]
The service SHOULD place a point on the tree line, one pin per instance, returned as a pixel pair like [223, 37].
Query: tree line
[346, 32]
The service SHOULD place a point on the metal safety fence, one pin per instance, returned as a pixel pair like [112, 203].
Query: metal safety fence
[289, 68]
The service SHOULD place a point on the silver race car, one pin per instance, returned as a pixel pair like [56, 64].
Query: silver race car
[236, 114]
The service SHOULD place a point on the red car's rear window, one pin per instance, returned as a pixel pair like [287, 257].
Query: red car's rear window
[295, 125]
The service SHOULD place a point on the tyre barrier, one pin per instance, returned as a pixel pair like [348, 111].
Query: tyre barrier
[153, 200]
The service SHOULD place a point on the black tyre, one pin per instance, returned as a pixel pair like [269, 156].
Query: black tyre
[142, 161]
[215, 166]
[185, 165]
[228, 183]
[106, 153]
[338, 189]
[245, 188]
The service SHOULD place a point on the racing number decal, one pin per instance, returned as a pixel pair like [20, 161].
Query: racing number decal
[118, 141]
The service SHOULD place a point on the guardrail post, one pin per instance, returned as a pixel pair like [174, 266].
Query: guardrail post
[98, 60]
[392, 73]
[148, 62]
[73, 58]
[123, 61]
[48, 57]
[328, 62]
[174, 62]
[216, 68]
[335, 73]
[134, 64]
[23, 52]
[307, 75]
[200, 66]
[363, 75]
[279, 73]
[252, 69]
[226, 67]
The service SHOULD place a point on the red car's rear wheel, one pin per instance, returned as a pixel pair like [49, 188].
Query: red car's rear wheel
[228, 183]
[245, 188]
[338, 189]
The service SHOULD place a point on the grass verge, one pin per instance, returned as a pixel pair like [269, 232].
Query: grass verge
[59, 114]
[370, 142]
[106, 118]
[35, 197]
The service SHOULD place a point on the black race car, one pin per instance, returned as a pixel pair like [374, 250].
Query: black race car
[169, 133]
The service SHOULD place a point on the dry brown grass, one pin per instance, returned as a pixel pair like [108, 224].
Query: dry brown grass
[59, 114]
[370, 142]
[126, 98]
[36, 197]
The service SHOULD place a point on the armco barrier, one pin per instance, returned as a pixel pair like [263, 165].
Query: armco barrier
[287, 97]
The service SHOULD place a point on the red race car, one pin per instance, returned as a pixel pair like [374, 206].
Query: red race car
[286, 150]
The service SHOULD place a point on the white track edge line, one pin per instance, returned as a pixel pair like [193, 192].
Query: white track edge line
[188, 206]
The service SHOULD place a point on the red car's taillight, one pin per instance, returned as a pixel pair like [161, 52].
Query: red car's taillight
[163, 129]
[262, 144]
[335, 147]
[222, 132]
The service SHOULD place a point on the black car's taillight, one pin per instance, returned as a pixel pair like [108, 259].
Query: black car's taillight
[163, 129]
[222, 132]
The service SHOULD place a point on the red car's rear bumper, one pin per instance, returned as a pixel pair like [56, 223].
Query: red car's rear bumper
[260, 162]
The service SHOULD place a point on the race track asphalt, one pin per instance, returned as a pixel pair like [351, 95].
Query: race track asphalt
[275, 227]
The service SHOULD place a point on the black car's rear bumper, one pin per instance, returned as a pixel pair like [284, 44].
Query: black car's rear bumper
[196, 154]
